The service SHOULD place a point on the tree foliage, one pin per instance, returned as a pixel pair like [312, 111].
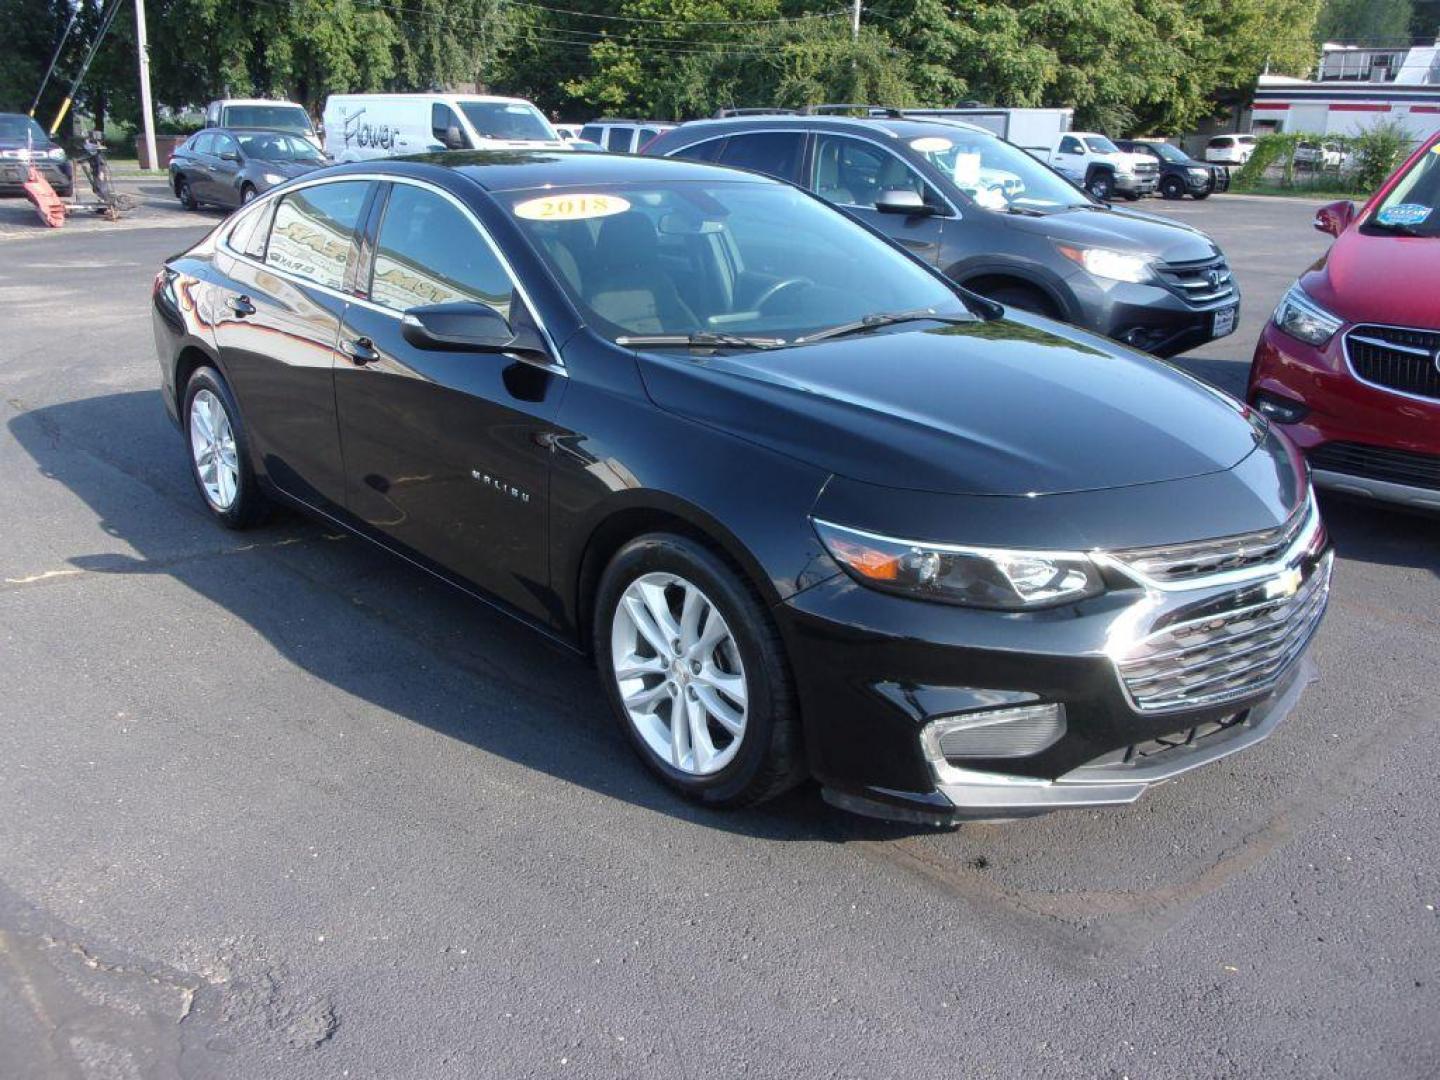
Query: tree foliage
[1385, 22]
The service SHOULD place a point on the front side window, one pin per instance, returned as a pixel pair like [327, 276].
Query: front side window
[994, 173]
[313, 231]
[776, 153]
[274, 117]
[1070, 145]
[429, 252]
[442, 119]
[509, 120]
[854, 173]
[735, 257]
[709, 150]
[617, 139]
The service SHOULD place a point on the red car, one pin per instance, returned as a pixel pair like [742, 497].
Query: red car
[1349, 365]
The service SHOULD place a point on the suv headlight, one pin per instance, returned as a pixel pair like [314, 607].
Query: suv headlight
[1199, 174]
[1115, 265]
[972, 576]
[55, 154]
[273, 178]
[1302, 318]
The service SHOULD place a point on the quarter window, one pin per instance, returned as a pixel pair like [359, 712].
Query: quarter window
[314, 229]
[709, 150]
[429, 252]
[776, 153]
[617, 139]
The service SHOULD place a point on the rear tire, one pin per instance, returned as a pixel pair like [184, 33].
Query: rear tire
[185, 195]
[220, 452]
[662, 656]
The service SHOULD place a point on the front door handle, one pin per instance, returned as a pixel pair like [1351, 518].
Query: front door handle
[242, 306]
[362, 351]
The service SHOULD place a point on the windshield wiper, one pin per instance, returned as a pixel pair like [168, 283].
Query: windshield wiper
[883, 318]
[703, 340]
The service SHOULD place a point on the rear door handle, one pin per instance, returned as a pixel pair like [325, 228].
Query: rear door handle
[242, 306]
[362, 351]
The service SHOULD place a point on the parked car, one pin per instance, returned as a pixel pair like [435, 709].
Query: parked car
[1326, 155]
[1092, 161]
[360, 127]
[230, 166]
[23, 142]
[568, 132]
[993, 218]
[1230, 149]
[623, 136]
[1349, 365]
[261, 113]
[813, 509]
[1180, 174]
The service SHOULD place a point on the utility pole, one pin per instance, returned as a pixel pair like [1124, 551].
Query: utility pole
[147, 112]
[855, 21]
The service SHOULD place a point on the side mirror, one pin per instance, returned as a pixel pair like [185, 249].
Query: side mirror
[229, 155]
[902, 201]
[1334, 218]
[455, 139]
[458, 327]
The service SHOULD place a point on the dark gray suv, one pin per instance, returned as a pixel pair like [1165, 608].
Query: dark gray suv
[993, 218]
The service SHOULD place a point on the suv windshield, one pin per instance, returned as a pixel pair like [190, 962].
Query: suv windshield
[720, 261]
[1168, 152]
[21, 129]
[996, 174]
[507, 120]
[276, 117]
[1413, 206]
[273, 146]
[1101, 145]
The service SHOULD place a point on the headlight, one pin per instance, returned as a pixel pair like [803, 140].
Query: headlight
[1302, 318]
[972, 576]
[1115, 265]
[55, 154]
[1199, 174]
[15, 155]
[273, 178]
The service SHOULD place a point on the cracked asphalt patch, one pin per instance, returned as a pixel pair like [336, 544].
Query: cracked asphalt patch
[276, 805]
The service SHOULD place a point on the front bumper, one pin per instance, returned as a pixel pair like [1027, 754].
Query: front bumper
[1136, 184]
[1362, 440]
[1148, 317]
[874, 672]
[57, 174]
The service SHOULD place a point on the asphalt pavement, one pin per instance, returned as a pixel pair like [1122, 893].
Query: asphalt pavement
[277, 805]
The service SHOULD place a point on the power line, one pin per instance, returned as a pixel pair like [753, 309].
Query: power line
[675, 22]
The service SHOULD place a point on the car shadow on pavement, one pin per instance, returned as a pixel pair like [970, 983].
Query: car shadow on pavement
[345, 612]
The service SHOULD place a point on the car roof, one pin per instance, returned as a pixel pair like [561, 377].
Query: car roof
[255, 101]
[514, 170]
[900, 128]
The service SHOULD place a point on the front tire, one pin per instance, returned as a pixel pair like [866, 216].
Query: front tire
[220, 452]
[1101, 186]
[247, 193]
[695, 673]
[1172, 188]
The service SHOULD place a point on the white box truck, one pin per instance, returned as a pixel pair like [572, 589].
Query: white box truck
[359, 127]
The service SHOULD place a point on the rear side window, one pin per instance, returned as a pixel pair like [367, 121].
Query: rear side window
[705, 151]
[593, 133]
[617, 139]
[313, 231]
[429, 252]
[204, 143]
[776, 153]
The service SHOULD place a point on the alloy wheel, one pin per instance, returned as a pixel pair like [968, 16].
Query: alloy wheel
[212, 444]
[679, 673]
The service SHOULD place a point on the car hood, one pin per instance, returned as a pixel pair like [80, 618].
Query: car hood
[22, 144]
[1121, 230]
[1380, 279]
[1002, 407]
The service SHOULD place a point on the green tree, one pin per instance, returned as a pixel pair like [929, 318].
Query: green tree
[33, 27]
[1380, 22]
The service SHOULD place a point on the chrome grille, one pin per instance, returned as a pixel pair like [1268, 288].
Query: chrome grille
[1233, 649]
[1186, 562]
[1205, 281]
[1396, 358]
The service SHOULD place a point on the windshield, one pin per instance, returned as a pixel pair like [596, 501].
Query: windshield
[718, 258]
[513, 120]
[1168, 152]
[21, 129]
[273, 146]
[1101, 145]
[996, 174]
[1413, 206]
[276, 117]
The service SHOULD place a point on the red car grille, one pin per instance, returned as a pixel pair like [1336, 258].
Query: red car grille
[1396, 358]
[1378, 463]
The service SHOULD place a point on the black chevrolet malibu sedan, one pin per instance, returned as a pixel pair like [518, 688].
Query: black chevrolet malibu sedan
[815, 510]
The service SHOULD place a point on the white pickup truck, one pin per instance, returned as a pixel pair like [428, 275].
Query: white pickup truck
[1099, 166]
